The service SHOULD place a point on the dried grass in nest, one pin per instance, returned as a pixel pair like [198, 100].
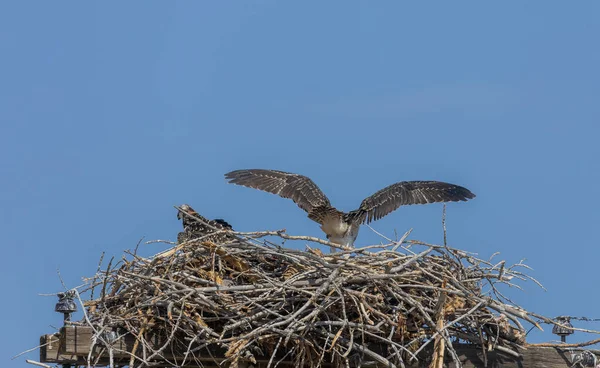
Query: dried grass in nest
[253, 299]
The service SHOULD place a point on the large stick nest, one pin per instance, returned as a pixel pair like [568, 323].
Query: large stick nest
[252, 299]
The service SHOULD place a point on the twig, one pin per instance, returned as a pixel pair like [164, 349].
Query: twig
[564, 345]
[37, 363]
[30, 350]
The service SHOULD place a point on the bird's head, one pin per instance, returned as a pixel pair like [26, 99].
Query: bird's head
[223, 223]
[184, 208]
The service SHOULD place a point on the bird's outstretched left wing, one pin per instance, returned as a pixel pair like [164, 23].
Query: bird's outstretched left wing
[300, 189]
[405, 193]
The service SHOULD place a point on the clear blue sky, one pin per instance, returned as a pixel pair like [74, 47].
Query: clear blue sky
[112, 114]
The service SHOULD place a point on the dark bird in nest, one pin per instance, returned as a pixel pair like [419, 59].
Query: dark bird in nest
[342, 227]
[196, 226]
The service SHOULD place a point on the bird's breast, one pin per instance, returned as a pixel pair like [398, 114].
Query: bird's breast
[334, 226]
[346, 238]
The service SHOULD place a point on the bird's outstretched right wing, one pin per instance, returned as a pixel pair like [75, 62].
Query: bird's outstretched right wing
[406, 193]
[300, 189]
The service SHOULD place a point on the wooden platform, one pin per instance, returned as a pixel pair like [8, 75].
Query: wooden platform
[73, 344]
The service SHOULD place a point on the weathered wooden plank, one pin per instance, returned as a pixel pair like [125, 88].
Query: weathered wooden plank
[51, 352]
[73, 346]
[473, 357]
[77, 340]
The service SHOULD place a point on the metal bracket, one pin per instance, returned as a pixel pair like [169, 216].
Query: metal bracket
[583, 358]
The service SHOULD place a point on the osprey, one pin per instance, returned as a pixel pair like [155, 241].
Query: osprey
[193, 229]
[342, 227]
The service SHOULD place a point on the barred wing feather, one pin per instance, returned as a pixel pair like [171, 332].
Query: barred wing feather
[390, 198]
[300, 189]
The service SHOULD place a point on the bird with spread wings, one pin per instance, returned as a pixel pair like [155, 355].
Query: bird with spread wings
[342, 227]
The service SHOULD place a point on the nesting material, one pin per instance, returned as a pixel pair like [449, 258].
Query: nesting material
[255, 300]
